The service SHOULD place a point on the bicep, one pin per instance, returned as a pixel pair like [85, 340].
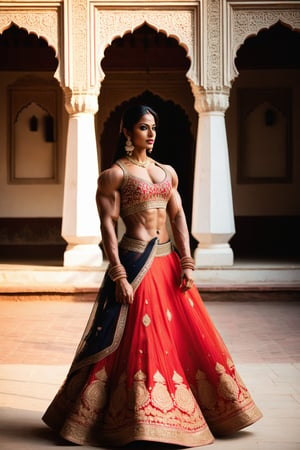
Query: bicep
[108, 196]
[174, 204]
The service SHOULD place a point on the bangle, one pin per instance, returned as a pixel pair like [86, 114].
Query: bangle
[187, 262]
[117, 272]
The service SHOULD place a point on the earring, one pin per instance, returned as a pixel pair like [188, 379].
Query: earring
[129, 147]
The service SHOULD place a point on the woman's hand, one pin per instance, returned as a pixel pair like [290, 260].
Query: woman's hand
[124, 292]
[186, 280]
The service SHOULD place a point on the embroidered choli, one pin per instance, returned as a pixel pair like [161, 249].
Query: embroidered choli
[138, 195]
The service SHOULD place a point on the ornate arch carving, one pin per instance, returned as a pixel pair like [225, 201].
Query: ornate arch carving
[178, 22]
[43, 20]
[245, 21]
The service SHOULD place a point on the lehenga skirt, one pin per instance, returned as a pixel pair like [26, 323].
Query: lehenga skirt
[156, 370]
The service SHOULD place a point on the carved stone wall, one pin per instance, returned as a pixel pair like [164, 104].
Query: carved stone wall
[211, 31]
[180, 22]
[43, 19]
[248, 18]
[77, 45]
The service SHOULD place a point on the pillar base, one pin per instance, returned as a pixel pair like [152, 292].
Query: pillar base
[213, 255]
[83, 255]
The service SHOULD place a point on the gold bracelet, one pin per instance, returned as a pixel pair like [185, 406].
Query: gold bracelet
[187, 262]
[117, 272]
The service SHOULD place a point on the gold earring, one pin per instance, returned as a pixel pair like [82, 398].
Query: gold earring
[129, 147]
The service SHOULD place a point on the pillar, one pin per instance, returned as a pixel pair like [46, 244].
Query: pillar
[80, 222]
[212, 215]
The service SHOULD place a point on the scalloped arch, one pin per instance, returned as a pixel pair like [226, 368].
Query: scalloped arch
[157, 29]
[44, 23]
[145, 28]
[246, 23]
[177, 24]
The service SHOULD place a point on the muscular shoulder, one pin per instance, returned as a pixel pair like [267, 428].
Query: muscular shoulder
[110, 180]
[172, 173]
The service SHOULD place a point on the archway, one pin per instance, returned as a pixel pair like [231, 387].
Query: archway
[30, 225]
[150, 68]
[266, 178]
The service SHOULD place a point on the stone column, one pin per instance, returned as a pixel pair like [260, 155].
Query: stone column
[80, 224]
[212, 217]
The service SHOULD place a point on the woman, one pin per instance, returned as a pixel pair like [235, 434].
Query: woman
[150, 366]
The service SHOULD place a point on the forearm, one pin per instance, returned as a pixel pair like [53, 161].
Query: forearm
[181, 233]
[110, 242]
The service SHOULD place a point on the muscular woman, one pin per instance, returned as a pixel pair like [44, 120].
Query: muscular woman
[150, 366]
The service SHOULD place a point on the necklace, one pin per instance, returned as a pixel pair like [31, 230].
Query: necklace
[139, 163]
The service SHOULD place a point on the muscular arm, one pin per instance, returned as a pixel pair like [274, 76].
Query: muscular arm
[178, 220]
[180, 231]
[108, 203]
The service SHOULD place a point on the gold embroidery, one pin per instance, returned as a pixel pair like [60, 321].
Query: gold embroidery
[161, 397]
[169, 315]
[158, 378]
[226, 407]
[184, 399]
[146, 320]
[101, 375]
[131, 244]
[191, 302]
[237, 376]
[139, 246]
[138, 279]
[206, 392]
[177, 378]
[95, 394]
[138, 194]
[71, 387]
[164, 249]
[108, 350]
[139, 376]
[139, 396]
[227, 387]
[118, 400]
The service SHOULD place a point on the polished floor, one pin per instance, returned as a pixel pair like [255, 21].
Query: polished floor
[38, 340]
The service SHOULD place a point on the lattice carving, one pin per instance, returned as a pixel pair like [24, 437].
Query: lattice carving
[80, 51]
[44, 22]
[179, 24]
[245, 23]
[214, 45]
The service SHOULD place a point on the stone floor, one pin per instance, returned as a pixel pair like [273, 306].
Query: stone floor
[38, 340]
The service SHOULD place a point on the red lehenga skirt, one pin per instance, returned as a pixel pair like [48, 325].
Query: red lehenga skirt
[156, 370]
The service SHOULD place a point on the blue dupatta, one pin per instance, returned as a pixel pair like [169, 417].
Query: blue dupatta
[107, 321]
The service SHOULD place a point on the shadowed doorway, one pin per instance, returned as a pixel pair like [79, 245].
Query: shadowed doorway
[159, 60]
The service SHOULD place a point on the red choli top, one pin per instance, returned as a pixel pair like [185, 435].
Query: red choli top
[138, 194]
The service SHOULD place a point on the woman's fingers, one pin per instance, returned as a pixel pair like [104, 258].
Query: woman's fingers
[186, 283]
[124, 292]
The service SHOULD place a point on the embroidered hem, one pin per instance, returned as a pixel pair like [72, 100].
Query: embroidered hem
[170, 379]
[150, 433]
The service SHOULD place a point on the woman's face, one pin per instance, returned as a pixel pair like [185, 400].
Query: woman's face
[144, 133]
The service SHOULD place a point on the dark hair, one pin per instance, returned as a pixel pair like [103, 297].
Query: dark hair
[130, 117]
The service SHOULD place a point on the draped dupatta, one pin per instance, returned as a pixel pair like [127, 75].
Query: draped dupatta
[107, 321]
